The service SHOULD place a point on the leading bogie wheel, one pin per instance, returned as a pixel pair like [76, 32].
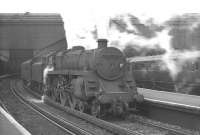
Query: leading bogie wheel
[72, 101]
[81, 106]
[63, 98]
[95, 109]
[54, 95]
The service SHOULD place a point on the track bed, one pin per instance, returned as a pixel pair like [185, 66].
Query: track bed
[33, 122]
[76, 121]
[133, 125]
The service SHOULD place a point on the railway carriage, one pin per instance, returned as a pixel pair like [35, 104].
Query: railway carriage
[151, 72]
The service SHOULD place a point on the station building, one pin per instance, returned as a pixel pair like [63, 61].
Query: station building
[23, 35]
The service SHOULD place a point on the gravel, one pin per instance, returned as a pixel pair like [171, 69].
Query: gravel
[135, 118]
[138, 127]
[138, 124]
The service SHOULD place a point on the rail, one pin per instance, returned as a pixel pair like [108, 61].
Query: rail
[107, 125]
[67, 126]
[8, 124]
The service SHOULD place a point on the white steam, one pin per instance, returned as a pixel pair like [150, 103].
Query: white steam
[45, 72]
[176, 60]
[122, 39]
[161, 39]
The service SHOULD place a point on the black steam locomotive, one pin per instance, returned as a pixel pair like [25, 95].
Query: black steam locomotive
[95, 81]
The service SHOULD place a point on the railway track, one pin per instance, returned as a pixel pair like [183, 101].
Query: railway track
[69, 127]
[108, 128]
[29, 119]
[117, 128]
[113, 127]
[160, 128]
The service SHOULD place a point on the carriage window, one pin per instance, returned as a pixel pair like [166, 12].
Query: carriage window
[154, 66]
[148, 65]
[192, 66]
[185, 66]
[135, 66]
[189, 66]
[144, 66]
[138, 66]
[196, 65]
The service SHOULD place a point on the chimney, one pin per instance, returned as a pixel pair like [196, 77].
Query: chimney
[102, 43]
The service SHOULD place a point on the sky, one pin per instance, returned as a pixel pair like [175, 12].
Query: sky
[80, 16]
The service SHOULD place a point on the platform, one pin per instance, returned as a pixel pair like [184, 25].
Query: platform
[9, 126]
[172, 108]
[171, 98]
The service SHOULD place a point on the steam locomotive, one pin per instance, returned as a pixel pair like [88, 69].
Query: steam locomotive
[151, 72]
[96, 81]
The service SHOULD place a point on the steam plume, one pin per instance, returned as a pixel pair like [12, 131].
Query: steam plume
[128, 30]
[45, 72]
[122, 34]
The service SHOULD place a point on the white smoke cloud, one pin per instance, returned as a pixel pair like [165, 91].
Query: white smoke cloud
[81, 17]
[78, 15]
[176, 60]
[162, 39]
[45, 72]
[4, 55]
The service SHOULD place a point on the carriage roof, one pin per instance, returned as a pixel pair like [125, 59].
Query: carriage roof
[175, 55]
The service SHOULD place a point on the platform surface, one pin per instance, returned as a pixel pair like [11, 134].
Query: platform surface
[170, 97]
[9, 126]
